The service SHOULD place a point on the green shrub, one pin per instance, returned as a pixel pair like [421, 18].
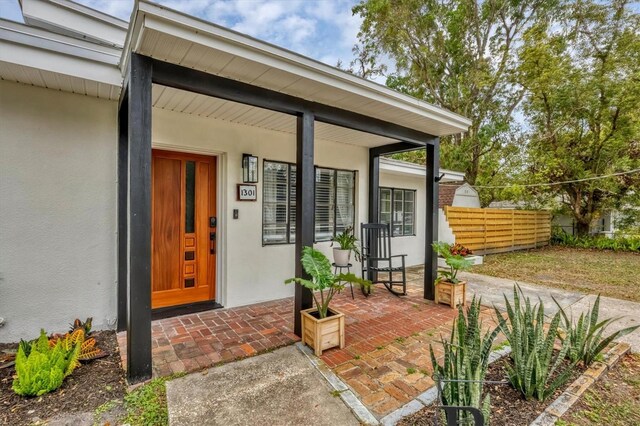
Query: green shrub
[585, 336]
[466, 357]
[534, 363]
[41, 367]
[598, 242]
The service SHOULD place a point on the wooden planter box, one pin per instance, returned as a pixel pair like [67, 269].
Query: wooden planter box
[321, 334]
[451, 294]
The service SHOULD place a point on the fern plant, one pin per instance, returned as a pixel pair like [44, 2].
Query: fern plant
[466, 359]
[585, 336]
[532, 348]
[324, 284]
[41, 368]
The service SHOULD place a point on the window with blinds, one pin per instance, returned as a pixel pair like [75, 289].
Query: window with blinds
[397, 208]
[334, 202]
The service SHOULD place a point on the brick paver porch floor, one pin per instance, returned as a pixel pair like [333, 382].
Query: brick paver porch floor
[385, 360]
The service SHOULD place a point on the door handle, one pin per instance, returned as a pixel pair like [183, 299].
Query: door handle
[212, 243]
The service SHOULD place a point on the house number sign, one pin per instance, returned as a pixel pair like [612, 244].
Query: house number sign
[247, 192]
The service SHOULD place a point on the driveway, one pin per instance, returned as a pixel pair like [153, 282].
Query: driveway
[492, 290]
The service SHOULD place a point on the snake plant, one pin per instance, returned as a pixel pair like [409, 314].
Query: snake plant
[466, 359]
[585, 336]
[532, 348]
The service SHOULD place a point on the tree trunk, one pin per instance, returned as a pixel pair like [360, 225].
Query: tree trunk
[582, 228]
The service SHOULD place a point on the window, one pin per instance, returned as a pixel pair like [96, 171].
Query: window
[334, 202]
[397, 208]
[278, 203]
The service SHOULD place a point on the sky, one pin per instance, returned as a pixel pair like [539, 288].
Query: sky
[324, 30]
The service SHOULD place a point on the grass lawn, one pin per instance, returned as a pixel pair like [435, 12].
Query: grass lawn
[614, 400]
[612, 274]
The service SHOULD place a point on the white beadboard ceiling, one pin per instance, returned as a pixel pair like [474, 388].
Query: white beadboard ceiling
[186, 102]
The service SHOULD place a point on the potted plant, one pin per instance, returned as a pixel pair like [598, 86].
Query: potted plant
[347, 242]
[323, 326]
[449, 289]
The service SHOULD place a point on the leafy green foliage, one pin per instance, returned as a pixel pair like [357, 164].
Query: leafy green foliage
[466, 360]
[323, 281]
[147, 405]
[532, 348]
[617, 243]
[41, 368]
[585, 336]
[347, 241]
[455, 262]
[581, 73]
[461, 55]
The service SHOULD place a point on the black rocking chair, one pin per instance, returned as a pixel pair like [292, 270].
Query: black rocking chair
[378, 264]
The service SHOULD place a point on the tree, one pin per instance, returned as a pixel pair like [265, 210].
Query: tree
[581, 73]
[460, 55]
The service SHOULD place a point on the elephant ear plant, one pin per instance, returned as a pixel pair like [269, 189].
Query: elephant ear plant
[455, 263]
[324, 284]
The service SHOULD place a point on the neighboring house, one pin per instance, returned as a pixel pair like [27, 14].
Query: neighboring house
[167, 164]
[604, 224]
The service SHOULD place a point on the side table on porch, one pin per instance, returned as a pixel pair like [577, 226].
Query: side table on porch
[348, 268]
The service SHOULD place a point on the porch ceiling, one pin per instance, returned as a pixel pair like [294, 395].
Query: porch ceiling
[186, 102]
[173, 37]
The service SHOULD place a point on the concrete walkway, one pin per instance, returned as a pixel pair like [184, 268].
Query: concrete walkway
[281, 387]
[492, 290]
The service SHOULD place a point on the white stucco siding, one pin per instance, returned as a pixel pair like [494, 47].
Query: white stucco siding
[412, 246]
[250, 271]
[57, 210]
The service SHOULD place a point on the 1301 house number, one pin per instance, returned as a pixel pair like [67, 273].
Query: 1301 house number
[247, 192]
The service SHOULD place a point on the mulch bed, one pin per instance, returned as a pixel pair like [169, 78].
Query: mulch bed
[88, 387]
[508, 408]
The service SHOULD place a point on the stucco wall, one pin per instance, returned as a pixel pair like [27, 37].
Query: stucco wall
[57, 210]
[252, 273]
[412, 246]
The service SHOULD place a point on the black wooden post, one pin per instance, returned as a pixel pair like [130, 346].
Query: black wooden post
[374, 185]
[139, 318]
[431, 225]
[123, 195]
[305, 209]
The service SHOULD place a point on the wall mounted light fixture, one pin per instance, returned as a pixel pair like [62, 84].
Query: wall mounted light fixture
[249, 168]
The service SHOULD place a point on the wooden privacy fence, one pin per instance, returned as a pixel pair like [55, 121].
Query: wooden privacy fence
[498, 230]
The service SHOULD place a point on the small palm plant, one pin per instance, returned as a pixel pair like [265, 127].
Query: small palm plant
[585, 336]
[324, 284]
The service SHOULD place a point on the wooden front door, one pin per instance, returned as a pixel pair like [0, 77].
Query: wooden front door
[183, 199]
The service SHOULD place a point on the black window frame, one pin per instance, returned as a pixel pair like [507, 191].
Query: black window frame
[291, 202]
[392, 209]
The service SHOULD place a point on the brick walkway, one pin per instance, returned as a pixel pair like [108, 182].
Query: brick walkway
[197, 341]
[385, 361]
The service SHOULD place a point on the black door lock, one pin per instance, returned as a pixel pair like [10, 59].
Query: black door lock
[213, 222]
[212, 244]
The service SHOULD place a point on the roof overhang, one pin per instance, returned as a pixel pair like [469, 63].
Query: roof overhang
[75, 20]
[404, 168]
[170, 36]
[38, 57]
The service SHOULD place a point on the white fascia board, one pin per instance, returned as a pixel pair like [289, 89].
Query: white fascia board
[75, 20]
[389, 165]
[37, 37]
[41, 56]
[205, 33]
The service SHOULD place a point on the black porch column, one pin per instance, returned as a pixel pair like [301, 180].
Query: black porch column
[431, 225]
[374, 185]
[123, 213]
[305, 209]
[139, 318]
